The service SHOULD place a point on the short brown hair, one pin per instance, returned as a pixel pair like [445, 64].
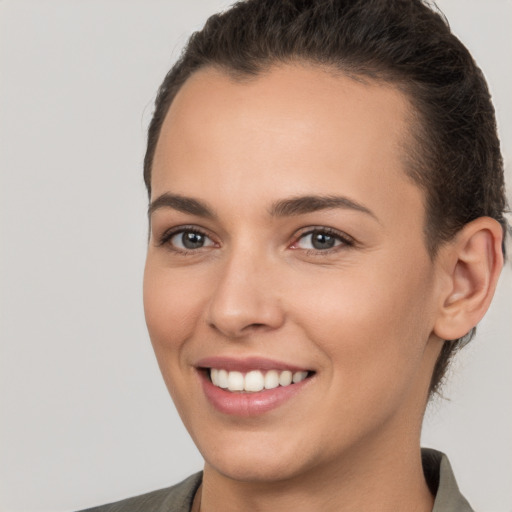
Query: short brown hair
[455, 157]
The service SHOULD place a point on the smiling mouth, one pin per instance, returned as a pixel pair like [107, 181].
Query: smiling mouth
[255, 380]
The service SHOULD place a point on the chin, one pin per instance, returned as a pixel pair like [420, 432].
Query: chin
[249, 469]
[256, 460]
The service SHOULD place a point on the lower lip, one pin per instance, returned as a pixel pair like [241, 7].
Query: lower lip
[249, 404]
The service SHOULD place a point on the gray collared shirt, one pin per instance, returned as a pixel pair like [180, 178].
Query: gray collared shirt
[179, 498]
[442, 483]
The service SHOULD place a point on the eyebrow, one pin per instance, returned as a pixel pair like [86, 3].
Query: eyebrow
[283, 208]
[182, 204]
[308, 204]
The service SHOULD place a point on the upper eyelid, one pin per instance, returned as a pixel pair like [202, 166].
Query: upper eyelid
[295, 237]
[171, 232]
[325, 229]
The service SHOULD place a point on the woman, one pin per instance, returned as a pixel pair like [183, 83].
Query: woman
[326, 229]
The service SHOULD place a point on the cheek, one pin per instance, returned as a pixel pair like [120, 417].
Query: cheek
[372, 324]
[172, 304]
[363, 300]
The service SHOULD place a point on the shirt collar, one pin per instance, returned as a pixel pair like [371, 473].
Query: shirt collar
[442, 483]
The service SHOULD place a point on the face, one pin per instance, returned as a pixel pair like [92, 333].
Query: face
[287, 243]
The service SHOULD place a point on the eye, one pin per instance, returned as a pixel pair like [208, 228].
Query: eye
[321, 239]
[187, 240]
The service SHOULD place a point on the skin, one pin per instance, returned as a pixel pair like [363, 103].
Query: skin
[366, 316]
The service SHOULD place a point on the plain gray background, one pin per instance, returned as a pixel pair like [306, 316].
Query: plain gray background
[85, 417]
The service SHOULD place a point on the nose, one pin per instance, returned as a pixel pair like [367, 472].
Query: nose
[246, 297]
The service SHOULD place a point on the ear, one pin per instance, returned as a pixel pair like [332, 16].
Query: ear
[471, 264]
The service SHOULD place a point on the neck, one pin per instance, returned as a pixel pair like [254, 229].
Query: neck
[391, 481]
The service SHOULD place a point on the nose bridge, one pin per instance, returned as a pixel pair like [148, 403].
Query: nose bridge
[245, 296]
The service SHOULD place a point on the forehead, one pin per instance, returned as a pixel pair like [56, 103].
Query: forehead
[292, 130]
[310, 96]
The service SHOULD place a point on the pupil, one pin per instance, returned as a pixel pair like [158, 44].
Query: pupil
[322, 241]
[192, 240]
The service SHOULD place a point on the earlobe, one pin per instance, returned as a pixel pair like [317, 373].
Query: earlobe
[472, 263]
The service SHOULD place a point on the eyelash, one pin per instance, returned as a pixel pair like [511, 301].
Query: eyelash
[170, 233]
[346, 240]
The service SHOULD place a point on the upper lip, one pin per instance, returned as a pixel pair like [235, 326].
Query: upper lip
[247, 364]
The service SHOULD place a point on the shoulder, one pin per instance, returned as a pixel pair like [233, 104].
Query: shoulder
[177, 498]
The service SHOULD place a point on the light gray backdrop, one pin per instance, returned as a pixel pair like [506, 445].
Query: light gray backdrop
[85, 417]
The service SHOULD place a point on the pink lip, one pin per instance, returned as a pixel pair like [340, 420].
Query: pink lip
[247, 404]
[246, 364]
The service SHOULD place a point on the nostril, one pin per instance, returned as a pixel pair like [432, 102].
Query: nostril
[254, 327]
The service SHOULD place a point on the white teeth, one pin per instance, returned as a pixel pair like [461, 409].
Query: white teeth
[222, 379]
[255, 380]
[299, 376]
[271, 379]
[285, 379]
[235, 381]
